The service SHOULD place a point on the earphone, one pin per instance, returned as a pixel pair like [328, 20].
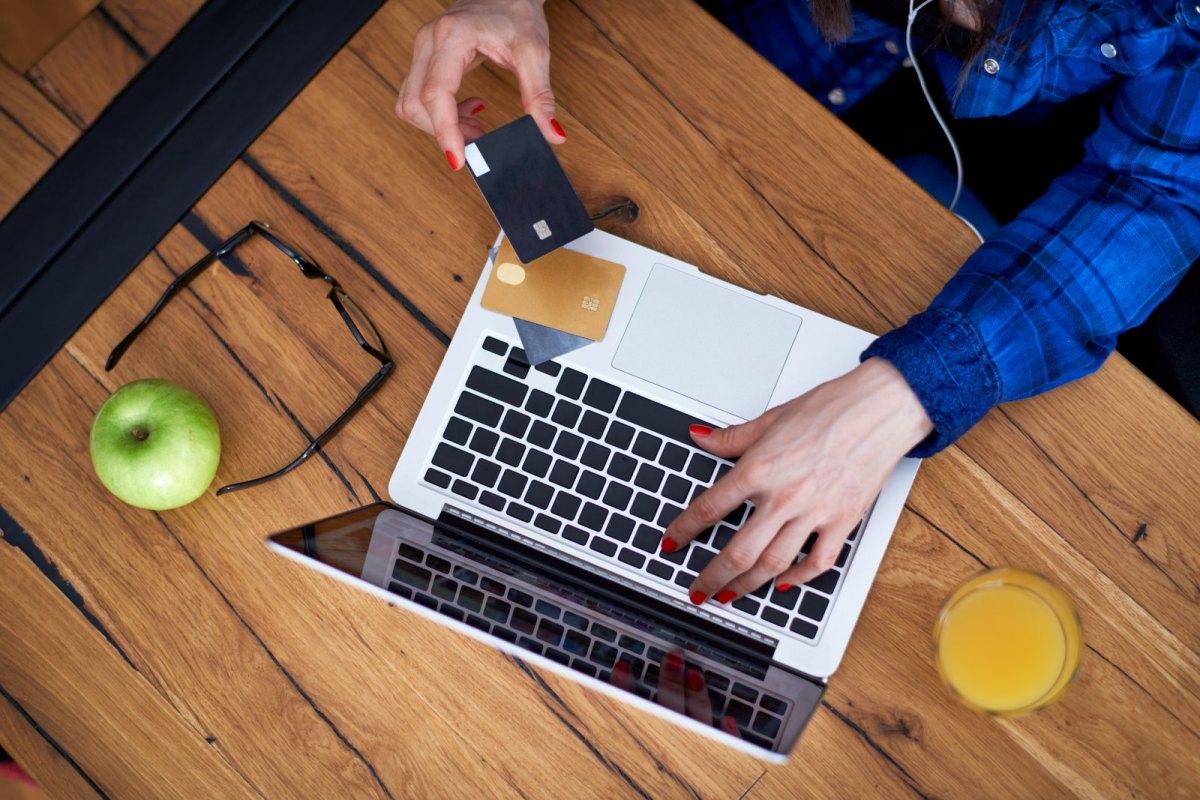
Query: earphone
[958, 183]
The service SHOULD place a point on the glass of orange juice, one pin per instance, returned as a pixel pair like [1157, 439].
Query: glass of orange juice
[1008, 642]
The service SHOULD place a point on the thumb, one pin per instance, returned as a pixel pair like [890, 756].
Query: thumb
[533, 76]
[734, 440]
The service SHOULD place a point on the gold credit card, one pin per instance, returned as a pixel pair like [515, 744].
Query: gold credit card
[564, 290]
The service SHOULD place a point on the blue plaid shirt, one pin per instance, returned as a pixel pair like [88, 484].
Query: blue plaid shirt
[1042, 301]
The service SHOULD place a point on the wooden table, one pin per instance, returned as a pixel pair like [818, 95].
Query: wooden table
[170, 654]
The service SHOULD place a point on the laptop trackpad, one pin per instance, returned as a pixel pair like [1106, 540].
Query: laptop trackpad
[699, 339]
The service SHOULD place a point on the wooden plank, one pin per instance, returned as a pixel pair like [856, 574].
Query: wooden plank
[151, 23]
[56, 776]
[30, 109]
[23, 160]
[30, 28]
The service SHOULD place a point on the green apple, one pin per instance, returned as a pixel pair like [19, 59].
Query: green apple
[155, 444]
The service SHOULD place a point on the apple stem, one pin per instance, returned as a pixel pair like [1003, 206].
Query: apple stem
[139, 434]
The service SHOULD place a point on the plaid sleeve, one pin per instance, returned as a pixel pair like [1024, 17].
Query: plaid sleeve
[1041, 302]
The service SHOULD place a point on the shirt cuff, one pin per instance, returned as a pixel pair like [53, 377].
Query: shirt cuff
[941, 355]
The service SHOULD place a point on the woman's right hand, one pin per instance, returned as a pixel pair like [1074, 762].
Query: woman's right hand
[511, 33]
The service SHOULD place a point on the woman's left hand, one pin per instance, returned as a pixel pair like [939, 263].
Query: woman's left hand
[813, 464]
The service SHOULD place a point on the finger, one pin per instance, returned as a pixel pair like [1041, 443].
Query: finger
[437, 95]
[622, 676]
[408, 104]
[729, 725]
[735, 439]
[670, 682]
[470, 107]
[822, 558]
[736, 558]
[777, 557]
[708, 508]
[699, 705]
[532, 66]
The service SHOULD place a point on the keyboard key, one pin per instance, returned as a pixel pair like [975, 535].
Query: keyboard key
[464, 575]
[584, 667]
[518, 511]
[754, 738]
[722, 536]
[513, 484]
[601, 395]
[854, 532]
[515, 423]
[426, 600]
[486, 472]
[716, 680]
[604, 632]
[649, 477]
[766, 724]
[654, 416]
[551, 368]
[437, 564]
[496, 610]
[761, 591]
[631, 557]
[539, 403]
[619, 435]
[565, 506]
[523, 621]
[701, 467]
[531, 645]
[464, 489]
[813, 606]
[677, 489]
[595, 455]
[541, 434]
[774, 616]
[636, 665]
[825, 582]
[684, 578]
[458, 430]
[621, 467]
[557, 655]
[746, 604]
[550, 632]
[564, 474]
[604, 654]
[519, 356]
[547, 523]
[576, 643]
[785, 599]
[699, 558]
[516, 367]
[619, 528]
[676, 558]
[646, 445]
[547, 609]
[647, 539]
[494, 345]
[618, 496]
[411, 553]
[807, 547]
[510, 452]
[451, 459]
[593, 424]
[536, 463]
[804, 628]
[660, 569]
[744, 692]
[470, 599]
[590, 484]
[645, 507]
[574, 620]
[631, 644]
[478, 408]
[568, 444]
[491, 585]
[452, 612]
[740, 712]
[603, 546]
[496, 386]
[566, 414]
[593, 516]
[773, 704]
[520, 598]
[484, 441]
[539, 494]
[571, 383]
[673, 457]
[437, 478]
[576, 535]
[843, 556]
[722, 469]
[735, 516]
[668, 514]
[411, 574]
[655, 655]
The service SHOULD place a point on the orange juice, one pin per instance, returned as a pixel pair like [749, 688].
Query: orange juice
[1008, 642]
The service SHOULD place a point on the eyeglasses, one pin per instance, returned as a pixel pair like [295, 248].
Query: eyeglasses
[360, 326]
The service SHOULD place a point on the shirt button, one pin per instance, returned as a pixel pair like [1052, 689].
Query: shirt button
[891, 47]
[837, 96]
[991, 66]
[1108, 50]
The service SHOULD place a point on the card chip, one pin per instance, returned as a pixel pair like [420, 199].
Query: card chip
[590, 304]
[541, 229]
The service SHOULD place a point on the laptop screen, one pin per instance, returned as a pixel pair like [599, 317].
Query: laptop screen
[540, 605]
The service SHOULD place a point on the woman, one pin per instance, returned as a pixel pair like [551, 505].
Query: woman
[1040, 303]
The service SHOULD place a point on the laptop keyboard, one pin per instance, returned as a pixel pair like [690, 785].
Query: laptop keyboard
[602, 468]
[544, 625]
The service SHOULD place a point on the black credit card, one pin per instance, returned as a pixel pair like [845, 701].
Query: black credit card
[527, 190]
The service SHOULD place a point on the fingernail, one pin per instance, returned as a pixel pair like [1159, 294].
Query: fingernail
[729, 724]
[621, 670]
[695, 680]
[700, 430]
[698, 598]
[477, 109]
[669, 545]
[557, 128]
[726, 595]
[453, 161]
[674, 662]
[783, 587]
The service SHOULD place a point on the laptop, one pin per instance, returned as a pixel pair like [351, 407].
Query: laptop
[528, 503]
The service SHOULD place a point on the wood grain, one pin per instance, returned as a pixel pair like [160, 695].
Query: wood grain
[280, 682]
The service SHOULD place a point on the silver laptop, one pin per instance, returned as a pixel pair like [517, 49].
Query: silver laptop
[530, 503]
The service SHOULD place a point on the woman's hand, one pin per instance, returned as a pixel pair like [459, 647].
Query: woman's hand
[813, 464]
[513, 34]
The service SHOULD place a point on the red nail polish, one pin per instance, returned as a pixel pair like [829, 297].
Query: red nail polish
[674, 662]
[725, 596]
[477, 109]
[453, 161]
[783, 587]
[669, 545]
[621, 670]
[698, 598]
[695, 680]
[700, 430]
[730, 724]
[557, 128]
